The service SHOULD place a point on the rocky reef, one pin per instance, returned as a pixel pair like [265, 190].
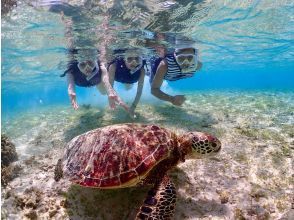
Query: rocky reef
[7, 5]
[8, 152]
[8, 155]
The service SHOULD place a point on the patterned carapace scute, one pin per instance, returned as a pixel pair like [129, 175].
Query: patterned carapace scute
[116, 156]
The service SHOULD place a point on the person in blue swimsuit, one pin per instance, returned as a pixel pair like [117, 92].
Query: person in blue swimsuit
[128, 69]
[179, 64]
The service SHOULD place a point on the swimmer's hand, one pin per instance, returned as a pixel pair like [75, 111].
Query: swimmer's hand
[73, 100]
[178, 100]
[132, 112]
[114, 100]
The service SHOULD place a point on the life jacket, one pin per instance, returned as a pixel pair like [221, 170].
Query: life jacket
[174, 71]
[79, 78]
[123, 74]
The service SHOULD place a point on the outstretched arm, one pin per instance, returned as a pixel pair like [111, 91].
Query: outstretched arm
[139, 92]
[70, 79]
[111, 73]
[113, 98]
[106, 40]
[71, 91]
[157, 82]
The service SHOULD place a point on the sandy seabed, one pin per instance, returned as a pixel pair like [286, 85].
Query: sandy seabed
[251, 178]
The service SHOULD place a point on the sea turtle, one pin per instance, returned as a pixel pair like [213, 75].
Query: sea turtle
[126, 155]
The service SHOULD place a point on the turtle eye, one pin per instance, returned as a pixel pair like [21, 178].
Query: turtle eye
[214, 145]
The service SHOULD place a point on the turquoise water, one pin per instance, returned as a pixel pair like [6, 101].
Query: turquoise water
[244, 95]
[243, 45]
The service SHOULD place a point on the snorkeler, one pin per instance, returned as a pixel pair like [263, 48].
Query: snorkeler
[84, 67]
[179, 64]
[87, 73]
[176, 59]
[128, 69]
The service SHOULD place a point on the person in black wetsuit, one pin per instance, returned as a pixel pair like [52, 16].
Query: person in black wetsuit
[87, 73]
[129, 69]
[85, 69]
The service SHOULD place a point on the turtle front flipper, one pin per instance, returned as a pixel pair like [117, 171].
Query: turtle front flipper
[160, 201]
[58, 173]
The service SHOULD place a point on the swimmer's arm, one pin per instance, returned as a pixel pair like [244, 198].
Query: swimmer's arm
[70, 83]
[157, 82]
[105, 80]
[139, 90]
[111, 72]
[113, 98]
[71, 90]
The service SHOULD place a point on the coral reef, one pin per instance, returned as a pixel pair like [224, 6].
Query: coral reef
[8, 152]
[7, 5]
[8, 155]
[9, 173]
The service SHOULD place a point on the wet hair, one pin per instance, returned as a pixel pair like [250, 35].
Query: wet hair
[180, 50]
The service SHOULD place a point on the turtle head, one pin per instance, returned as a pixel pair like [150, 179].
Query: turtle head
[199, 144]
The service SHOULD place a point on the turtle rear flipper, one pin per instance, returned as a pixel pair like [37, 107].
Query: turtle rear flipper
[58, 174]
[160, 201]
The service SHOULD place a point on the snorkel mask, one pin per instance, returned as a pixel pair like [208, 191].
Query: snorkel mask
[187, 61]
[135, 61]
[89, 67]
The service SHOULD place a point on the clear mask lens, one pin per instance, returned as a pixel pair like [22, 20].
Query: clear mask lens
[89, 68]
[137, 60]
[188, 62]
[86, 65]
[186, 59]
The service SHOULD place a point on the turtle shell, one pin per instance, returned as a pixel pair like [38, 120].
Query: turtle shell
[116, 156]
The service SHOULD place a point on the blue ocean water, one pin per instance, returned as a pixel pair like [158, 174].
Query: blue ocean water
[244, 45]
[243, 95]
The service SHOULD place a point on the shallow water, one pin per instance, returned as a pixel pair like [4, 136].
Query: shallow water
[244, 95]
[258, 113]
[253, 171]
[243, 45]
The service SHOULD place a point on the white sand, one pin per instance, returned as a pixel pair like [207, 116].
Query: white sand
[252, 177]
